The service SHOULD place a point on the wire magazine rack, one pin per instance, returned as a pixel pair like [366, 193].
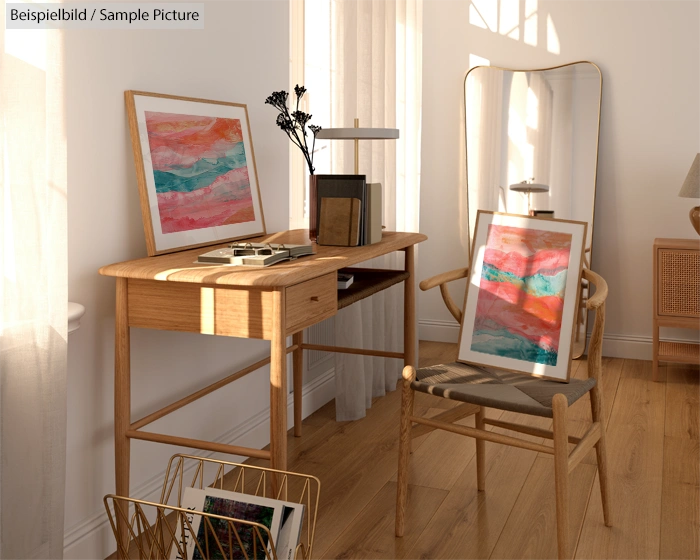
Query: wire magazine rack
[159, 530]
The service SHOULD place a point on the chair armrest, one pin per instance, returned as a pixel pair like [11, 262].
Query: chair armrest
[443, 278]
[601, 289]
[597, 303]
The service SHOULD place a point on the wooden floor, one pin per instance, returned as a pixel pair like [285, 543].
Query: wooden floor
[654, 466]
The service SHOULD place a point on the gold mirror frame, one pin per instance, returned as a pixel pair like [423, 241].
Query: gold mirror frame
[582, 320]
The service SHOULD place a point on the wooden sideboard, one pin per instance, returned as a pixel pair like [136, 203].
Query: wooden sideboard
[676, 298]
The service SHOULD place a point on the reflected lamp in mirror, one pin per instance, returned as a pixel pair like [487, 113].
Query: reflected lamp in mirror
[529, 187]
[691, 189]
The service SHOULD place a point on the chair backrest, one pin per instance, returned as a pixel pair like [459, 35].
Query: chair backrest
[596, 303]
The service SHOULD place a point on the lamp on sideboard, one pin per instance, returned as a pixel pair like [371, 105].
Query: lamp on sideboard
[691, 189]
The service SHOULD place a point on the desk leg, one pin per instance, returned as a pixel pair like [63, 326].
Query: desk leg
[122, 398]
[278, 386]
[409, 311]
[298, 371]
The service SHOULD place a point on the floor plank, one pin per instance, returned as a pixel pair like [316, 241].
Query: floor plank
[680, 506]
[469, 523]
[371, 534]
[432, 353]
[635, 465]
[532, 527]
[682, 401]
[424, 470]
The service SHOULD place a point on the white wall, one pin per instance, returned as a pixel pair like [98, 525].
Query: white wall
[242, 55]
[649, 54]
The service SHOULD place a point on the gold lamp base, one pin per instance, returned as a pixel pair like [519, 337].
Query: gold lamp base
[695, 218]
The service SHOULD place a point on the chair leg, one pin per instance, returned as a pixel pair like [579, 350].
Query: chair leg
[561, 473]
[601, 453]
[480, 452]
[409, 374]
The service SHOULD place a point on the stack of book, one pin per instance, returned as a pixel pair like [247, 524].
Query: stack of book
[283, 519]
[349, 210]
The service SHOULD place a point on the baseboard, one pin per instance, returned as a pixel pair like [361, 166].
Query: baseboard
[627, 346]
[438, 331]
[632, 346]
[92, 538]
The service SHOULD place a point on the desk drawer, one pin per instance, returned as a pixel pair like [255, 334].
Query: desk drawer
[310, 302]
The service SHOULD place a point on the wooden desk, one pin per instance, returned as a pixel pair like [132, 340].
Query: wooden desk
[171, 292]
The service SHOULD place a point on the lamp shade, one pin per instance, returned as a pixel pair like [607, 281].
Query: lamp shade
[691, 185]
[358, 133]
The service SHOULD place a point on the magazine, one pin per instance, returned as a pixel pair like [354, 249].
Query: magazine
[283, 519]
[345, 280]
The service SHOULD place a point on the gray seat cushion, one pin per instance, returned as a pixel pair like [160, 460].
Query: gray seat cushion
[494, 388]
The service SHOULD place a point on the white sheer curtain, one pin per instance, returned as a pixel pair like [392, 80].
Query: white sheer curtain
[33, 294]
[376, 57]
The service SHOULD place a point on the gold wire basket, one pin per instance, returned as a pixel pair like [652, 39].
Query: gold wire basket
[150, 530]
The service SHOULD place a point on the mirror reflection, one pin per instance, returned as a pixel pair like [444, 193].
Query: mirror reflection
[532, 146]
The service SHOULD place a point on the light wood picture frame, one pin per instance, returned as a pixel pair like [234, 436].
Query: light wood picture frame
[522, 295]
[196, 173]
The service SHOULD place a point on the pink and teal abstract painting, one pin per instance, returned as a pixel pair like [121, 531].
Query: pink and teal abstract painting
[521, 294]
[200, 171]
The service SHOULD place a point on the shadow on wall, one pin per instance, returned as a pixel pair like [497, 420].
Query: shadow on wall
[520, 20]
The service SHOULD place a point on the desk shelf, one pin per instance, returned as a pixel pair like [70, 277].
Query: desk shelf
[367, 282]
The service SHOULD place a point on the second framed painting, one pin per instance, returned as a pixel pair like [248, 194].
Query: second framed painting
[196, 171]
[523, 294]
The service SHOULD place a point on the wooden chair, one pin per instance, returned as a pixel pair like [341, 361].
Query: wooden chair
[512, 392]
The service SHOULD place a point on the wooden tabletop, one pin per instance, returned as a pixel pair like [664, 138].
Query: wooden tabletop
[182, 266]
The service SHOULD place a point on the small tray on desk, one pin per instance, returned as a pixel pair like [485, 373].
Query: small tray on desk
[368, 281]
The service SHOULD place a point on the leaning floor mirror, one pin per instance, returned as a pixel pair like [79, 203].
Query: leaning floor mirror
[532, 148]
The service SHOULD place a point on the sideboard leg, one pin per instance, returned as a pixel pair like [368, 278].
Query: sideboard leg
[655, 352]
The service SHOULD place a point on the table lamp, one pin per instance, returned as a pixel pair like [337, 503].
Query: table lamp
[358, 134]
[691, 189]
[529, 187]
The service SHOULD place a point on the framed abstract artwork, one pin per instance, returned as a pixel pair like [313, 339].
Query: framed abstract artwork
[523, 294]
[195, 169]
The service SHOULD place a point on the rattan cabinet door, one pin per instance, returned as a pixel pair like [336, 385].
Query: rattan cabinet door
[679, 283]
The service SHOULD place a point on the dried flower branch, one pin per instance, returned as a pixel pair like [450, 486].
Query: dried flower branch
[294, 124]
